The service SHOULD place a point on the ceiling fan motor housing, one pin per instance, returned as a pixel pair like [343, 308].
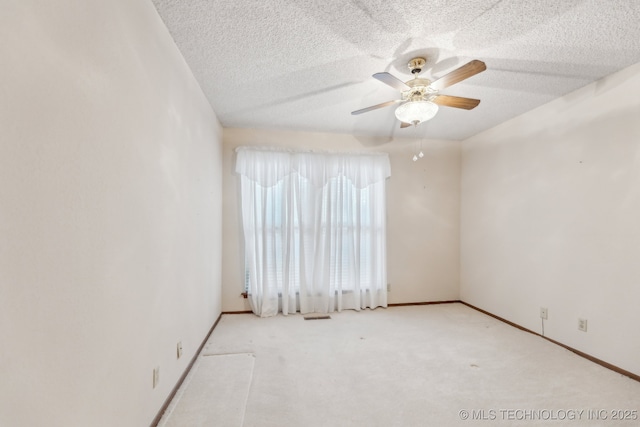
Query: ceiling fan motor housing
[420, 90]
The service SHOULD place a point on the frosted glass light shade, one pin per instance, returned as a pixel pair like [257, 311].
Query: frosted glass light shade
[415, 112]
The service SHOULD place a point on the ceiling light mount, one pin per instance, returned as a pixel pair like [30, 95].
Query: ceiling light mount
[416, 65]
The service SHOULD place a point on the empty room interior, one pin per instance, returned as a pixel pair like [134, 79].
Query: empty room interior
[337, 213]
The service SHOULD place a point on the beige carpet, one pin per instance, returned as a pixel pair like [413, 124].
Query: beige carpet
[403, 366]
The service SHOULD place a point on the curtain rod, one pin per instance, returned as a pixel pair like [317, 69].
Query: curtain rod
[312, 151]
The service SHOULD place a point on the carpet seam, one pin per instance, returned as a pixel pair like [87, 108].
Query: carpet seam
[246, 398]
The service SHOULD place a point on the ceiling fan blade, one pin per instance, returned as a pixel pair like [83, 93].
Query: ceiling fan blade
[468, 70]
[456, 102]
[392, 81]
[375, 107]
[404, 125]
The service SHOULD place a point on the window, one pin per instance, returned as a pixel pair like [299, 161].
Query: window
[314, 228]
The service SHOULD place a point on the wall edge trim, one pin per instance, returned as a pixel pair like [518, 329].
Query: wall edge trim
[175, 389]
[587, 356]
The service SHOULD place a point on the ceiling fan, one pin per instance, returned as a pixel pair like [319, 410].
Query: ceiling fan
[421, 97]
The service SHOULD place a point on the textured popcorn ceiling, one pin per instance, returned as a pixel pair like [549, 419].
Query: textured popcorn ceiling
[305, 65]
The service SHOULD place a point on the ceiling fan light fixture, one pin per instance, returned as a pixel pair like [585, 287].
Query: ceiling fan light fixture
[416, 112]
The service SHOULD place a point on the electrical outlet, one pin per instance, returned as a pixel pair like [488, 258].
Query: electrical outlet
[544, 314]
[582, 325]
[156, 376]
[388, 287]
[179, 349]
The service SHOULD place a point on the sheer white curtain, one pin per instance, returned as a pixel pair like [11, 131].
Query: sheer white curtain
[314, 230]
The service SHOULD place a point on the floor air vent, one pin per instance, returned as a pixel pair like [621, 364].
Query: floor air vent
[316, 316]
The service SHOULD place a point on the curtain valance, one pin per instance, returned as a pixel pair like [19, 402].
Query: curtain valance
[362, 169]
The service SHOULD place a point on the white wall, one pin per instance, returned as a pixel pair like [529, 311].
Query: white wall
[551, 218]
[422, 208]
[110, 219]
